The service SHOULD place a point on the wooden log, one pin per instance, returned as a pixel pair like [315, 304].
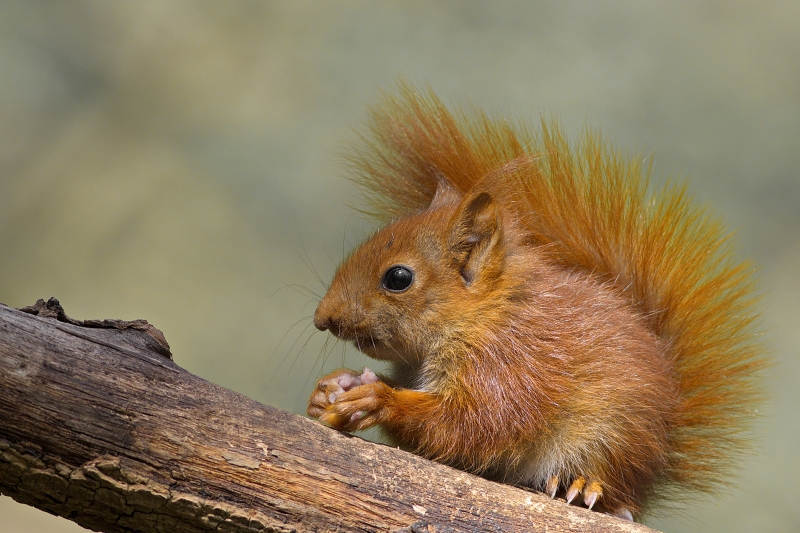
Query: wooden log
[100, 426]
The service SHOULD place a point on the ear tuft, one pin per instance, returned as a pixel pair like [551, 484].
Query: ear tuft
[446, 194]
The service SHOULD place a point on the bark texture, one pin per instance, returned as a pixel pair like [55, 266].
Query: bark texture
[98, 425]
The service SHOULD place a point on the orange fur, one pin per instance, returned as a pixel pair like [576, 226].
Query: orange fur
[563, 322]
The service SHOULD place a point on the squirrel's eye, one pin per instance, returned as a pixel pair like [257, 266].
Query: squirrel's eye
[398, 278]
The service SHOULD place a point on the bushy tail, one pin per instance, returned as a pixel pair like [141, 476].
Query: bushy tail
[596, 210]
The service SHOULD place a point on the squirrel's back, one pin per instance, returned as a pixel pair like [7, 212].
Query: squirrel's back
[591, 210]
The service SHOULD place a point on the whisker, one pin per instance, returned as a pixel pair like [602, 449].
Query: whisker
[288, 352]
[321, 356]
[308, 263]
[298, 289]
[301, 348]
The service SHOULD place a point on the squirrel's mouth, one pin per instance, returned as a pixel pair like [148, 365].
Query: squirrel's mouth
[368, 345]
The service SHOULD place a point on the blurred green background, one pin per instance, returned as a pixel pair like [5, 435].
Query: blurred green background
[176, 161]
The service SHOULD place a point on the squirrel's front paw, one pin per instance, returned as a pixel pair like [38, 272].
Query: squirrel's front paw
[330, 387]
[361, 407]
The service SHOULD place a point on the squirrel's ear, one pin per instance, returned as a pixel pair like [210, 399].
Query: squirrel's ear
[446, 194]
[475, 236]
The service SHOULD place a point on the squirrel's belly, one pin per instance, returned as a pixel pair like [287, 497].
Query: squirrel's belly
[552, 455]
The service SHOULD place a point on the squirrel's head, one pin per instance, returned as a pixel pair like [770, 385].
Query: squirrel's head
[419, 280]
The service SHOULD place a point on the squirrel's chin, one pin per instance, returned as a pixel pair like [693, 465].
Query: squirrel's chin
[377, 350]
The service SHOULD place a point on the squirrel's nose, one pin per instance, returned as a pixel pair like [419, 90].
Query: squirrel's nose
[322, 323]
[323, 319]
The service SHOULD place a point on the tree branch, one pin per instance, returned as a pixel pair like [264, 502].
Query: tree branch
[98, 425]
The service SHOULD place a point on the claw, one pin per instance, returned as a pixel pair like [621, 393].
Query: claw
[551, 487]
[624, 513]
[575, 488]
[368, 376]
[592, 493]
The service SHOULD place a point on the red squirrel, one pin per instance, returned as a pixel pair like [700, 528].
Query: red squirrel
[549, 321]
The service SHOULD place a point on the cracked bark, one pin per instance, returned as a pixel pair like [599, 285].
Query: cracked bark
[98, 425]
